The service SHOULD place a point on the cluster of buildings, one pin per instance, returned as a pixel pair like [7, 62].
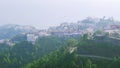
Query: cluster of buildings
[66, 29]
[7, 41]
[88, 25]
[114, 31]
[32, 37]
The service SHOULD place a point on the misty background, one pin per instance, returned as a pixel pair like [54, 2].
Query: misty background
[45, 13]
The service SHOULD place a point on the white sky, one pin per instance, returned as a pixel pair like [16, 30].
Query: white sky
[45, 13]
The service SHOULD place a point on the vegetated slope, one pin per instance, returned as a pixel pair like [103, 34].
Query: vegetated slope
[100, 46]
[62, 58]
[24, 52]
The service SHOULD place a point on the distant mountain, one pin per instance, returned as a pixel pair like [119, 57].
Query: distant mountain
[11, 30]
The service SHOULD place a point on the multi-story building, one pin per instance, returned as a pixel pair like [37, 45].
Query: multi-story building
[32, 38]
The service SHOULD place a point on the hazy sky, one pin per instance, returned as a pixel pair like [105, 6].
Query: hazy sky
[45, 13]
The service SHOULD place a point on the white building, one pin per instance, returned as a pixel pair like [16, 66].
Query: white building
[2, 41]
[32, 38]
[44, 34]
[7, 41]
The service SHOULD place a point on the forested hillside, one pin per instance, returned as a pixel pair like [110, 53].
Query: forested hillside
[24, 52]
[90, 53]
[61, 52]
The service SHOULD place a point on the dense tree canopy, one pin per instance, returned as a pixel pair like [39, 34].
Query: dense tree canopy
[62, 58]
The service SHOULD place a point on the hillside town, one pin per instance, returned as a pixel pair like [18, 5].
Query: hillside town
[91, 26]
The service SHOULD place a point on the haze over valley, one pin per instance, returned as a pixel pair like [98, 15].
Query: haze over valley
[59, 34]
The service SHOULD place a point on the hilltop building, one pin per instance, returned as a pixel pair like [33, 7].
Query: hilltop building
[32, 38]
